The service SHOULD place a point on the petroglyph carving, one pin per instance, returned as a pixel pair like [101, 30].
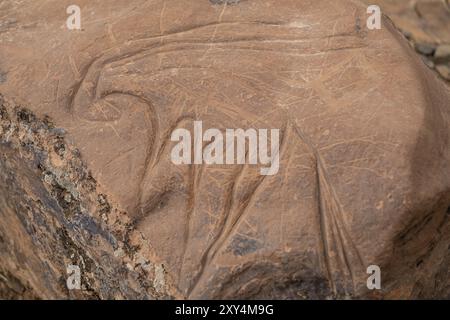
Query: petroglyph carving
[364, 170]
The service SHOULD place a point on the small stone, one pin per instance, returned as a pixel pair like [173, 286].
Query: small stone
[444, 71]
[425, 48]
[442, 52]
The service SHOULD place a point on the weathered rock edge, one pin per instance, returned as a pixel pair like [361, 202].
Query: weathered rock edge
[63, 219]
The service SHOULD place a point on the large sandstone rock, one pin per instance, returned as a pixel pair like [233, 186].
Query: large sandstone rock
[364, 174]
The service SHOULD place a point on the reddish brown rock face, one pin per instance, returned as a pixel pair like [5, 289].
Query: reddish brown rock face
[364, 172]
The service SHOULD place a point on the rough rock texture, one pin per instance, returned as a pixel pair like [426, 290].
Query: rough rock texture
[364, 161]
[426, 23]
[52, 216]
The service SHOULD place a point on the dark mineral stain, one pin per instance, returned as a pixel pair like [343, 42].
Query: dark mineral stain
[224, 1]
[3, 113]
[243, 245]
[358, 25]
[103, 203]
[23, 115]
[48, 122]
[2, 77]
[59, 147]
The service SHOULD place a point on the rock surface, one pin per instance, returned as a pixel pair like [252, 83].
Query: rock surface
[364, 160]
[53, 216]
[427, 25]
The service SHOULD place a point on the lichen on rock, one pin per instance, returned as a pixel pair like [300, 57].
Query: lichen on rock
[58, 218]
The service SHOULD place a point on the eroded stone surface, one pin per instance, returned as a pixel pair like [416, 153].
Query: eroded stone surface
[426, 23]
[364, 172]
[53, 216]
